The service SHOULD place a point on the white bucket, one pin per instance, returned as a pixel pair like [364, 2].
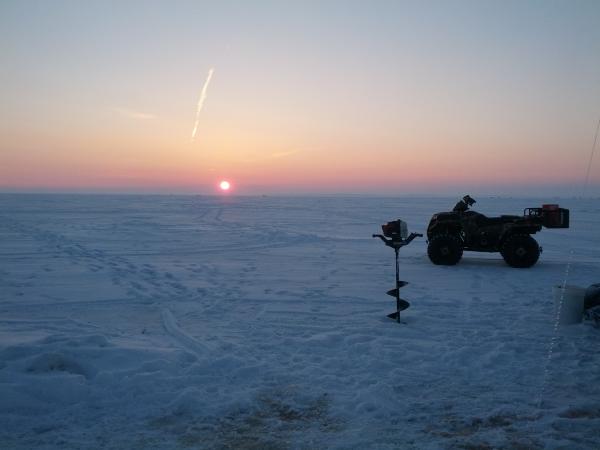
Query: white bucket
[568, 304]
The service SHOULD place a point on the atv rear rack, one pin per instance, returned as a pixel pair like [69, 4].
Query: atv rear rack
[551, 216]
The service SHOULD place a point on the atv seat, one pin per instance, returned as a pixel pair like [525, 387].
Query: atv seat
[484, 221]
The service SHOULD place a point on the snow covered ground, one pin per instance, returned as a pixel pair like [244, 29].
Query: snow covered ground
[140, 322]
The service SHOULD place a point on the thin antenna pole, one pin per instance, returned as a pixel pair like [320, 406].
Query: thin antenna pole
[589, 166]
[397, 285]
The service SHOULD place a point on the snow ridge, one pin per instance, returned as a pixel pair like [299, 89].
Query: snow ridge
[181, 336]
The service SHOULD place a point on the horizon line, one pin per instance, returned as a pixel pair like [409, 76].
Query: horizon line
[289, 194]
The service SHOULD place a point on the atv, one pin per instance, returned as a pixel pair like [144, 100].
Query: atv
[451, 233]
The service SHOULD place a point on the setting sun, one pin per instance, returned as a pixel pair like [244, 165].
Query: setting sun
[224, 185]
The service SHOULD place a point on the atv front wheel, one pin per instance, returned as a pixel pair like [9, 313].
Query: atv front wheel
[520, 250]
[444, 249]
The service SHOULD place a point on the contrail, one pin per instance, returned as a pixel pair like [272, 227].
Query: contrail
[201, 101]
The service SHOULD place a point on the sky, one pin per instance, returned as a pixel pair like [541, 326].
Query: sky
[378, 97]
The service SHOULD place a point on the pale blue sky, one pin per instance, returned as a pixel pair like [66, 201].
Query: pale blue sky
[467, 81]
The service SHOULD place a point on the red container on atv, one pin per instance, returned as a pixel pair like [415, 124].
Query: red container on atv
[551, 215]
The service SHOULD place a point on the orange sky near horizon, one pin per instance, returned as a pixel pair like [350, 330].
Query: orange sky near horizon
[473, 95]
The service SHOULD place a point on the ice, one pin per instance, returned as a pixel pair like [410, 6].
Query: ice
[260, 322]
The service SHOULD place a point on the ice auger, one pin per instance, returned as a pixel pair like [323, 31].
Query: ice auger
[397, 232]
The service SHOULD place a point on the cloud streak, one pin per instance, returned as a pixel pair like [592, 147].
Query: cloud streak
[137, 115]
[201, 102]
[283, 154]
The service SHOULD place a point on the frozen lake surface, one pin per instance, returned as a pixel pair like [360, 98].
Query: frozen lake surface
[140, 322]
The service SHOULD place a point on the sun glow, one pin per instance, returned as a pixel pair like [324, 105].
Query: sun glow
[224, 185]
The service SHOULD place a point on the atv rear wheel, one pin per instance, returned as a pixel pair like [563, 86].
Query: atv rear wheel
[520, 250]
[445, 249]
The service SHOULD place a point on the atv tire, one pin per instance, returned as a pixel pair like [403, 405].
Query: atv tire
[445, 249]
[520, 250]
